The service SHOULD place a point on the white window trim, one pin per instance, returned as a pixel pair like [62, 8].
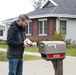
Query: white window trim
[61, 19]
[66, 23]
[28, 29]
[28, 34]
[30, 20]
[42, 34]
[42, 19]
[58, 23]
[50, 1]
[45, 19]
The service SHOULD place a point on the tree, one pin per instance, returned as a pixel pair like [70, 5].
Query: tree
[37, 3]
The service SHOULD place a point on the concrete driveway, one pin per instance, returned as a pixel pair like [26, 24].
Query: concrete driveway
[42, 67]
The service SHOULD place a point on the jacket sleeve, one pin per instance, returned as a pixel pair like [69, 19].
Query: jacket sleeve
[11, 41]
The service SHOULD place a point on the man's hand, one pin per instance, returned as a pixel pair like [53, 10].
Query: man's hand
[25, 44]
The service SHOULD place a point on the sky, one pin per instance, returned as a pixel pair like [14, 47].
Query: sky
[13, 8]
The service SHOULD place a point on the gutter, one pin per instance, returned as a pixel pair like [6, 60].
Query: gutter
[42, 16]
[53, 15]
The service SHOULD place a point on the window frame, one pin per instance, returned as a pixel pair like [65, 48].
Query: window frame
[1, 33]
[42, 20]
[29, 28]
[65, 24]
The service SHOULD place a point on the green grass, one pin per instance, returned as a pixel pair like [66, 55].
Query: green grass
[32, 49]
[3, 46]
[3, 56]
[25, 57]
[71, 52]
[30, 57]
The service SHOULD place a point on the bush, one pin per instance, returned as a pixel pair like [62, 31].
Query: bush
[70, 45]
[59, 36]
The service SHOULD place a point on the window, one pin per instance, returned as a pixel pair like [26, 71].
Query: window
[49, 4]
[43, 27]
[63, 25]
[29, 28]
[1, 32]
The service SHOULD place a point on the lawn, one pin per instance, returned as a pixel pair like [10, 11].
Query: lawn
[25, 57]
[3, 46]
[3, 56]
[69, 52]
[32, 49]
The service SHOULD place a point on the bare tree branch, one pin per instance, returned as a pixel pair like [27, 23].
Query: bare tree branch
[37, 3]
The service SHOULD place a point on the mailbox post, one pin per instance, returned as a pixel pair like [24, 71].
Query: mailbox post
[53, 51]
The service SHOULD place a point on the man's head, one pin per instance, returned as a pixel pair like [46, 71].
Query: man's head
[23, 20]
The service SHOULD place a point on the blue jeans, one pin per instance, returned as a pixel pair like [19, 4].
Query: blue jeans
[15, 66]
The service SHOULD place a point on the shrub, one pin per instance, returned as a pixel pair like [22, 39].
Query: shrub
[59, 36]
[70, 45]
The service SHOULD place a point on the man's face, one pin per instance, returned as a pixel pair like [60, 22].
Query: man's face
[24, 23]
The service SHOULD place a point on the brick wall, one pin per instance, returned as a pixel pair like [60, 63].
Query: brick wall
[51, 25]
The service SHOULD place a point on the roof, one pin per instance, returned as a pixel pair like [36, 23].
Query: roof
[10, 20]
[59, 7]
[2, 27]
[53, 8]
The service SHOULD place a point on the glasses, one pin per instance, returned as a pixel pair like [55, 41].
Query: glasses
[25, 22]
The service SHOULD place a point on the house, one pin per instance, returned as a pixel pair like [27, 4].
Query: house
[6, 25]
[52, 15]
[2, 32]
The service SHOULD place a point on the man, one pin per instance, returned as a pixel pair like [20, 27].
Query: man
[15, 40]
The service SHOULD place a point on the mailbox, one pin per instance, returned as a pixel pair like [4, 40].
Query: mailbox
[50, 50]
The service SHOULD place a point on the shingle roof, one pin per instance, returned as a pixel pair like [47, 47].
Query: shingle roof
[64, 7]
[1, 26]
[42, 11]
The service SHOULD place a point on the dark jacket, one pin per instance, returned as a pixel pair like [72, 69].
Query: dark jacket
[15, 38]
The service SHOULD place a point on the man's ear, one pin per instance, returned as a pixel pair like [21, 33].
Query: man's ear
[20, 22]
